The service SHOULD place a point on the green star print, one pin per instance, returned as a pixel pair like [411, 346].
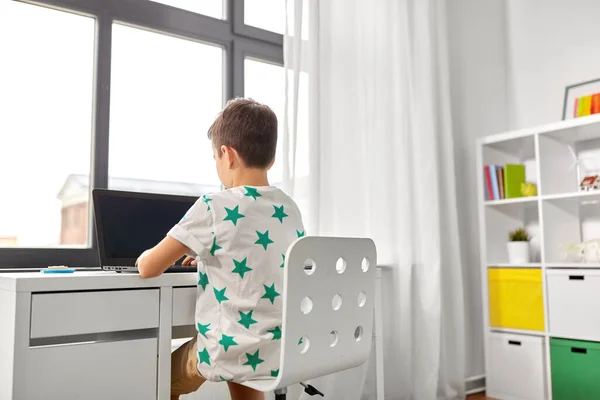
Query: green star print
[203, 329]
[270, 293]
[275, 373]
[233, 215]
[203, 281]
[220, 295]
[246, 319]
[240, 267]
[204, 357]
[276, 333]
[227, 341]
[279, 214]
[300, 234]
[206, 200]
[253, 360]
[263, 239]
[214, 247]
[283, 261]
[252, 192]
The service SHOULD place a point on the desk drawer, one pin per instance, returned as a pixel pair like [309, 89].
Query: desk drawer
[77, 313]
[91, 371]
[184, 306]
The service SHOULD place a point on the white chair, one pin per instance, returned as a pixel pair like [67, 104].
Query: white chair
[328, 303]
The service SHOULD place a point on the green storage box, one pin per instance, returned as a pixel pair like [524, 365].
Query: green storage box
[575, 369]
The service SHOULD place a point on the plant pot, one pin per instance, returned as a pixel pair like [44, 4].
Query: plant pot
[518, 252]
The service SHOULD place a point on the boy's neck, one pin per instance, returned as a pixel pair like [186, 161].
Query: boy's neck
[250, 177]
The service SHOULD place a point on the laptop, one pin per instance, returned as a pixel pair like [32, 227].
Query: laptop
[128, 223]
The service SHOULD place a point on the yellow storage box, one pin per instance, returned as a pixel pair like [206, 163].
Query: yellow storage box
[516, 298]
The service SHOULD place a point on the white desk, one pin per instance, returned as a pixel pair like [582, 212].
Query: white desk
[99, 335]
[90, 335]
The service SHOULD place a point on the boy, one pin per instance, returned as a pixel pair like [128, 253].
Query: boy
[238, 239]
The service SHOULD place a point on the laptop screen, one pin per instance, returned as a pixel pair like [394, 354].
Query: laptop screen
[127, 223]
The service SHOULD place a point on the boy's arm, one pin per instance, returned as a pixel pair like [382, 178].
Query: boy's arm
[191, 236]
[156, 260]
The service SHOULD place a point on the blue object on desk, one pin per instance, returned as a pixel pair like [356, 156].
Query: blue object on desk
[58, 271]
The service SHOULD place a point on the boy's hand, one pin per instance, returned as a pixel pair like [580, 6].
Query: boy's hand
[137, 262]
[189, 261]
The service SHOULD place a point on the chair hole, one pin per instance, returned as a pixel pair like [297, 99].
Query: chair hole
[333, 336]
[340, 265]
[309, 266]
[306, 305]
[365, 264]
[336, 302]
[362, 299]
[304, 344]
[358, 333]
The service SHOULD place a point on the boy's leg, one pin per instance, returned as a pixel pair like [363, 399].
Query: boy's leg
[241, 392]
[185, 377]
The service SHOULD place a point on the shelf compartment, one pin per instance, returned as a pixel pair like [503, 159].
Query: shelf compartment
[516, 298]
[517, 367]
[574, 303]
[574, 369]
[570, 220]
[502, 219]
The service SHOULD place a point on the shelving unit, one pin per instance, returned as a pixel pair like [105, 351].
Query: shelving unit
[562, 298]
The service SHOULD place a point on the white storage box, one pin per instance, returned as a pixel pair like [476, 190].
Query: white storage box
[574, 304]
[516, 367]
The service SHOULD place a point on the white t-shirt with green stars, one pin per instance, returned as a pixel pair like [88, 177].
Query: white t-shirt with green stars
[239, 238]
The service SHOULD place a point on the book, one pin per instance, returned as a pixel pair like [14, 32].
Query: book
[514, 176]
[595, 104]
[501, 182]
[585, 106]
[488, 183]
[494, 176]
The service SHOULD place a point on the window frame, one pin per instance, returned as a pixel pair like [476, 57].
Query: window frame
[237, 40]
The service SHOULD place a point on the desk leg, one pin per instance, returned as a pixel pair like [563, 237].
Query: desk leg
[164, 343]
[379, 337]
[22, 321]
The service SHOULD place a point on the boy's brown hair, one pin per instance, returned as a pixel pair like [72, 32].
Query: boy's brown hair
[250, 128]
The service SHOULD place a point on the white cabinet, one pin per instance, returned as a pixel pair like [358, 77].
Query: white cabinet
[574, 304]
[124, 370]
[184, 306]
[517, 367]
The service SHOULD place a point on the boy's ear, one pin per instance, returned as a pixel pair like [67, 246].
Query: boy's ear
[229, 155]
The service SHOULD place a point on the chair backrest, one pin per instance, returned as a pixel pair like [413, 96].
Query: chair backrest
[329, 298]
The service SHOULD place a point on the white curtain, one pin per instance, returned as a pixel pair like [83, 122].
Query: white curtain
[376, 159]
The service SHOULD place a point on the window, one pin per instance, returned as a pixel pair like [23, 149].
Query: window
[45, 129]
[265, 14]
[116, 94]
[210, 8]
[271, 15]
[165, 94]
[265, 83]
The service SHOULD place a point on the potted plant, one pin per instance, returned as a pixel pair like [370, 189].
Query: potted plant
[518, 246]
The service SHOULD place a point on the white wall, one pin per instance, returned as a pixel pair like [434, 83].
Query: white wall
[478, 76]
[552, 44]
[510, 61]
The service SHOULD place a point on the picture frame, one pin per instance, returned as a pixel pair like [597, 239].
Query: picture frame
[576, 91]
